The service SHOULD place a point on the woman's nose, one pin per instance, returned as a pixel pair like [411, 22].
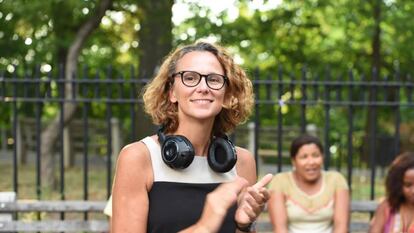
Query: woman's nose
[313, 160]
[202, 86]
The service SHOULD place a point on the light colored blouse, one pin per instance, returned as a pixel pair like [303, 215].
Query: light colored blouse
[309, 213]
[394, 223]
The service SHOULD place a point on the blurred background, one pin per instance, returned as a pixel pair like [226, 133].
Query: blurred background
[71, 74]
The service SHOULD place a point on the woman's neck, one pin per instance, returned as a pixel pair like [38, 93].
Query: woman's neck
[309, 187]
[408, 206]
[199, 135]
[407, 216]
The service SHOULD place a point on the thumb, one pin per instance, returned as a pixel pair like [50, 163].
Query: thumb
[264, 181]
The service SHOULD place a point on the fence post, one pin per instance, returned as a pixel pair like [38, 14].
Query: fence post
[250, 144]
[3, 139]
[116, 138]
[6, 197]
[68, 153]
[18, 143]
[25, 137]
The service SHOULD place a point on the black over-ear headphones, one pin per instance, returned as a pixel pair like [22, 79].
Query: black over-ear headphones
[178, 152]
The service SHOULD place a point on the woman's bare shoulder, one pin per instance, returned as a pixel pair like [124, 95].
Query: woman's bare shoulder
[135, 154]
[383, 205]
[138, 146]
[134, 164]
[244, 154]
[135, 150]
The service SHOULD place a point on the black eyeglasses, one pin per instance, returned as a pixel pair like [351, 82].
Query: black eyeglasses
[192, 79]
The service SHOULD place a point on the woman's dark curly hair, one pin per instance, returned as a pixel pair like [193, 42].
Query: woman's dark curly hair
[394, 180]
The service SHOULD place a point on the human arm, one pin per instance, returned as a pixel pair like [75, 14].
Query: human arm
[378, 222]
[215, 207]
[252, 200]
[341, 211]
[133, 178]
[277, 212]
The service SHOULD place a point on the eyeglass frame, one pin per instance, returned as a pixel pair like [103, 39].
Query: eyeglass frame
[205, 76]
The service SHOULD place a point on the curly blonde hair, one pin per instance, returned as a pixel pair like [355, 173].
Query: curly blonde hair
[238, 100]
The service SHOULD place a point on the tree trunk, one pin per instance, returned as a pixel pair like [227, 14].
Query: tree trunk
[371, 121]
[155, 38]
[376, 38]
[50, 134]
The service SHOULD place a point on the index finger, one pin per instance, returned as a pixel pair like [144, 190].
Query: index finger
[264, 181]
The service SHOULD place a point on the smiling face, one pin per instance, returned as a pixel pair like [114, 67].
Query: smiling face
[408, 186]
[308, 162]
[199, 102]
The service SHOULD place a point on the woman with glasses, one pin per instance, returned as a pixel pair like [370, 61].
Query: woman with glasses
[188, 177]
[308, 199]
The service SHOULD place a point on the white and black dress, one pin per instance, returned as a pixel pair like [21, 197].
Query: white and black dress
[176, 199]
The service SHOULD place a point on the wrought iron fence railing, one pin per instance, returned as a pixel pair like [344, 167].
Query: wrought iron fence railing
[363, 121]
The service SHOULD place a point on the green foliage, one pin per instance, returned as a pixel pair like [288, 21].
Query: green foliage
[40, 32]
[321, 35]
[317, 33]
[36, 30]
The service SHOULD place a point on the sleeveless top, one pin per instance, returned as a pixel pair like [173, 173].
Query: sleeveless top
[176, 199]
[309, 213]
[394, 223]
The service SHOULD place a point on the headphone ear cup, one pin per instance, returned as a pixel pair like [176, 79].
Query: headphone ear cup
[177, 152]
[221, 155]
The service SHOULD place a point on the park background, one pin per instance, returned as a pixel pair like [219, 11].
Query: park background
[71, 73]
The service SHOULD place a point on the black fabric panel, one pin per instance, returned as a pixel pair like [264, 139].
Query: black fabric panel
[175, 206]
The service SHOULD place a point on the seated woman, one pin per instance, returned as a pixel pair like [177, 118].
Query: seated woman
[396, 212]
[308, 199]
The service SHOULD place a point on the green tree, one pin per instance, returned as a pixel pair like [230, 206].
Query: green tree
[51, 132]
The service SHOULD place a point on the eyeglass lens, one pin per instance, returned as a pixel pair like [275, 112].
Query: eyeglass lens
[192, 78]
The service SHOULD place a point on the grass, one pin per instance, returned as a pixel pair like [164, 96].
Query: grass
[73, 189]
[73, 183]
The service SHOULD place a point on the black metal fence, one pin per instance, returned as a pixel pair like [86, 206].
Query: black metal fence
[363, 121]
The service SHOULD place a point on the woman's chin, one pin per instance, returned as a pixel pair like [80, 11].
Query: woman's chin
[312, 178]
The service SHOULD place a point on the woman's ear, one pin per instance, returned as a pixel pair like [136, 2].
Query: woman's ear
[230, 102]
[172, 96]
[293, 162]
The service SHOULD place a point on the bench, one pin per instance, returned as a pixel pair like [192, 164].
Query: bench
[10, 207]
[94, 225]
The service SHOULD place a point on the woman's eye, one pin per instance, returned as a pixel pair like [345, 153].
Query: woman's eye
[302, 156]
[189, 77]
[214, 80]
